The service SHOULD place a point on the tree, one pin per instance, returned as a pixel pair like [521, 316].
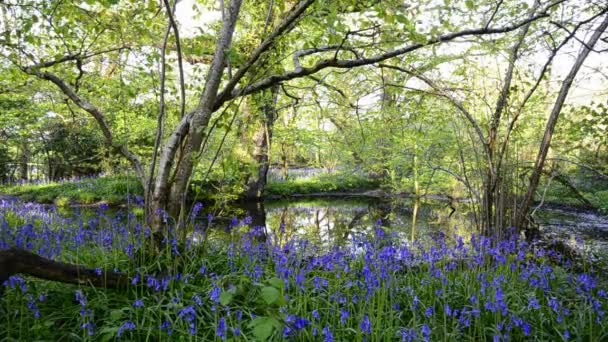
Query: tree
[553, 118]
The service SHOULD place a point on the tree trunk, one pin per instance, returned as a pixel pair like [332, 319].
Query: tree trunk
[552, 121]
[23, 161]
[18, 261]
[262, 141]
[170, 193]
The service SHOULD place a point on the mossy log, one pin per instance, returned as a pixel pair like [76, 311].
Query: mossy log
[18, 261]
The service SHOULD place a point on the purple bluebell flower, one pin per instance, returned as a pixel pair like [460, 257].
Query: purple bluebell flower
[138, 303]
[426, 332]
[214, 294]
[221, 329]
[166, 326]
[88, 326]
[366, 325]
[327, 335]
[126, 326]
[407, 335]
[344, 315]
[533, 303]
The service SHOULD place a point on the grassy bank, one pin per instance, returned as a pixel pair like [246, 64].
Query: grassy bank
[228, 287]
[558, 194]
[108, 189]
[115, 189]
[323, 183]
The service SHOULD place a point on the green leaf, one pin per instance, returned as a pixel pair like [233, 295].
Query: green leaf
[262, 327]
[270, 294]
[276, 282]
[225, 298]
[116, 315]
[108, 333]
[470, 4]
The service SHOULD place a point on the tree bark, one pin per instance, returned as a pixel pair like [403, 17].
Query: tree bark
[262, 141]
[18, 261]
[23, 162]
[552, 121]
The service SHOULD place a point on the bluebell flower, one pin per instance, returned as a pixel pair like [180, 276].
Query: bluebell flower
[196, 209]
[366, 325]
[187, 313]
[214, 294]
[533, 303]
[286, 331]
[221, 329]
[426, 332]
[525, 327]
[126, 326]
[166, 326]
[88, 326]
[327, 335]
[192, 328]
[407, 335]
[138, 303]
[343, 315]
[80, 298]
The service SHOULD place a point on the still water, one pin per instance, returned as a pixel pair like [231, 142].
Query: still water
[333, 221]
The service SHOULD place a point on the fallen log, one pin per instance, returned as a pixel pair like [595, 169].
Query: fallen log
[18, 261]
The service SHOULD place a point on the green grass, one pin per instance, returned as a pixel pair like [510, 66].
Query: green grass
[324, 183]
[108, 189]
[115, 189]
[558, 194]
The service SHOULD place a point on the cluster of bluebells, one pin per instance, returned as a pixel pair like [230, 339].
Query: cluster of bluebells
[376, 286]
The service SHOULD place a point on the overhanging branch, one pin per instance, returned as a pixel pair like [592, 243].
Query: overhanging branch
[352, 63]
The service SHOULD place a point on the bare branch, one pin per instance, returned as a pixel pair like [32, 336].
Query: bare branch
[161, 110]
[493, 13]
[306, 52]
[352, 63]
[180, 63]
[283, 27]
[543, 71]
[75, 57]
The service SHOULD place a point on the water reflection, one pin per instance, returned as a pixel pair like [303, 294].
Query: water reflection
[335, 222]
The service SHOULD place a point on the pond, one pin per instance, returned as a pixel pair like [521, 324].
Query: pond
[333, 221]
